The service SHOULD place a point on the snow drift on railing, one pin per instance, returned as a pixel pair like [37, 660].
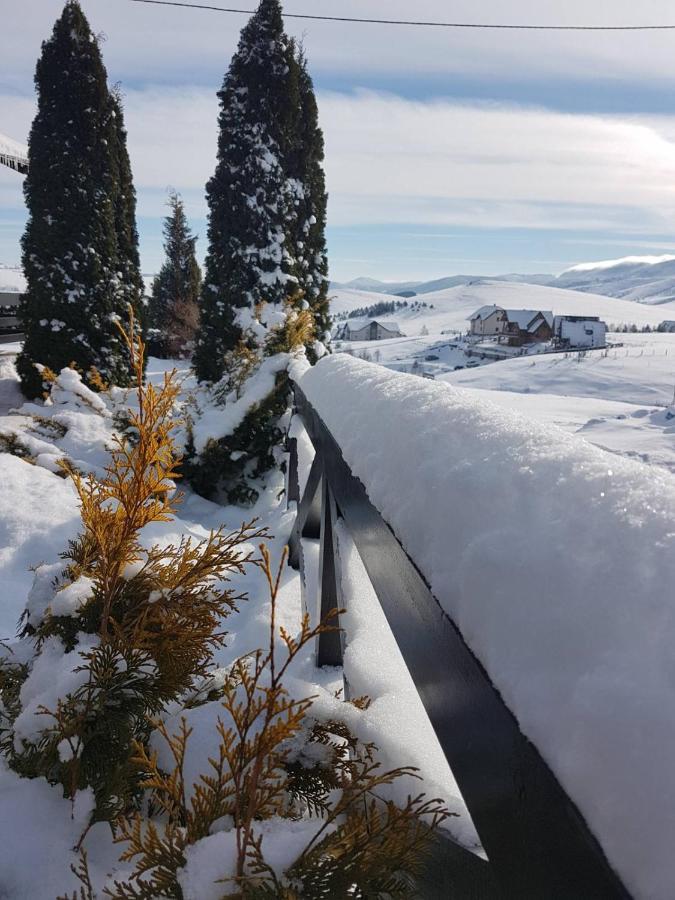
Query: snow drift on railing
[557, 561]
[9, 147]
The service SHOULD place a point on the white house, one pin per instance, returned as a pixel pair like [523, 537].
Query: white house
[366, 330]
[488, 321]
[579, 332]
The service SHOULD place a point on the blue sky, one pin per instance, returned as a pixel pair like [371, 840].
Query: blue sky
[447, 152]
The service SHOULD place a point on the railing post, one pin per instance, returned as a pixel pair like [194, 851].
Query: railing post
[308, 519]
[329, 650]
[293, 482]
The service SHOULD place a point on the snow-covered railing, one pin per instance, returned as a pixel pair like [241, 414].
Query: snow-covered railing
[536, 582]
[13, 155]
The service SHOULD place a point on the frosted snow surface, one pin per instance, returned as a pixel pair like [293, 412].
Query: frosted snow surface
[10, 147]
[557, 562]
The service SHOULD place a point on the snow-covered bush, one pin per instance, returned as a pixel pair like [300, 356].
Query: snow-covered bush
[237, 431]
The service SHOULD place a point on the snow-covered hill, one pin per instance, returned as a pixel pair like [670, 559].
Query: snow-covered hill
[645, 279]
[11, 278]
[372, 285]
[449, 309]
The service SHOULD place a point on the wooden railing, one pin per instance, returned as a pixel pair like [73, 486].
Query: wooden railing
[538, 845]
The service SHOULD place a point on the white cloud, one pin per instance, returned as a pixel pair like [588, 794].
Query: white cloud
[146, 43]
[394, 160]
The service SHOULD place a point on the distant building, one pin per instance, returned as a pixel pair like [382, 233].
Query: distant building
[488, 321]
[579, 332]
[366, 330]
[9, 311]
[512, 326]
[668, 326]
[528, 326]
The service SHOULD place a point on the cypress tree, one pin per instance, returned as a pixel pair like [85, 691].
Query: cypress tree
[80, 244]
[310, 221]
[129, 263]
[174, 308]
[252, 202]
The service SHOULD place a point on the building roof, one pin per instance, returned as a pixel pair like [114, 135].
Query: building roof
[527, 319]
[360, 324]
[484, 312]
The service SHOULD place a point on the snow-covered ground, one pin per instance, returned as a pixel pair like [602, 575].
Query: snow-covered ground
[557, 561]
[12, 278]
[616, 399]
[39, 514]
[452, 307]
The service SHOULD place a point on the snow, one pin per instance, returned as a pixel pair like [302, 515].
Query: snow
[12, 279]
[454, 306]
[616, 263]
[617, 399]
[10, 147]
[218, 420]
[644, 279]
[374, 667]
[38, 515]
[556, 560]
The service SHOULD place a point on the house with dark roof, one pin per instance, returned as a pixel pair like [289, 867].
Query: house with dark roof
[514, 327]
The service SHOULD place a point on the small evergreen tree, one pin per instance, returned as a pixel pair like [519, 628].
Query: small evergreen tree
[80, 245]
[251, 199]
[174, 309]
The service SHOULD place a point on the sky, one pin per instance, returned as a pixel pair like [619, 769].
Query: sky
[473, 152]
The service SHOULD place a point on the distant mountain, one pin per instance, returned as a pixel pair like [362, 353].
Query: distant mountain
[643, 279]
[373, 286]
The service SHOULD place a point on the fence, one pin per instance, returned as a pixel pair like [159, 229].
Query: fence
[537, 843]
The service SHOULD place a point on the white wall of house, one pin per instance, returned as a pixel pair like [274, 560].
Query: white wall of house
[584, 334]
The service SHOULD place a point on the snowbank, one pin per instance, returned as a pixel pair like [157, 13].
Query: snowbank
[38, 516]
[557, 561]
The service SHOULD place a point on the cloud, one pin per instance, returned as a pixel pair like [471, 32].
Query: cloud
[172, 46]
[434, 163]
[391, 159]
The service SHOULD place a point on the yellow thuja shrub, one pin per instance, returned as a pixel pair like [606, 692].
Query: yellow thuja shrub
[156, 615]
[361, 845]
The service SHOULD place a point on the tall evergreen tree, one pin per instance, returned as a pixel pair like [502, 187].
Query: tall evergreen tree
[80, 244]
[125, 212]
[174, 308]
[252, 201]
[310, 220]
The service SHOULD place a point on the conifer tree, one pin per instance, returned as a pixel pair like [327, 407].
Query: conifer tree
[125, 212]
[174, 309]
[80, 246]
[252, 201]
[310, 238]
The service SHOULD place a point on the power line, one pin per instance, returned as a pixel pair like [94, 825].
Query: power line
[411, 23]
